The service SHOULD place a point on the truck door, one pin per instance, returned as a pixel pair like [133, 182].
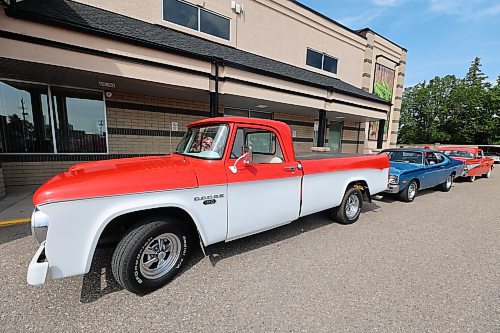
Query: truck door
[265, 192]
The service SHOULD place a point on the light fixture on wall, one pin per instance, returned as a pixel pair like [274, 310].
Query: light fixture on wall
[236, 7]
[109, 94]
[339, 117]
[261, 106]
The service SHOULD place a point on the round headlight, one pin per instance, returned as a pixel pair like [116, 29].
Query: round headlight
[393, 179]
[39, 225]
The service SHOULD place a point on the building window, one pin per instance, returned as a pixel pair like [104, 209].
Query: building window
[196, 18]
[233, 112]
[24, 118]
[321, 61]
[79, 121]
[72, 122]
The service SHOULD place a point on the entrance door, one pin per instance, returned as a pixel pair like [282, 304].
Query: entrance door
[264, 193]
[335, 137]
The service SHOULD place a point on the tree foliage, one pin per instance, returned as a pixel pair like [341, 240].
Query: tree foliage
[452, 110]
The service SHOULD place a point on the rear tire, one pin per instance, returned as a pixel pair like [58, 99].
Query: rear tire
[446, 186]
[150, 255]
[410, 192]
[349, 210]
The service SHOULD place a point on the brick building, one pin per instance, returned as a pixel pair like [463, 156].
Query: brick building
[85, 80]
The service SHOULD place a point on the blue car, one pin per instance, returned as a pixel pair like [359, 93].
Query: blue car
[414, 169]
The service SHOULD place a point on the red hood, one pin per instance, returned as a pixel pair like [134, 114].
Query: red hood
[119, 176]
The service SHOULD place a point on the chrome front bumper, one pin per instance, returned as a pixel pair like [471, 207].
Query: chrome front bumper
[38, 267]
[392, 189]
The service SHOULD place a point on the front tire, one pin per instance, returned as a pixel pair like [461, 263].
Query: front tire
[349, 210]
[446, 186]
[410, 192]
[150, 255]
[472, 179]
[488, 174]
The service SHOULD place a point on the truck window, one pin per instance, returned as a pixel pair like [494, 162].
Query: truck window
[265, 145]
[207, 142]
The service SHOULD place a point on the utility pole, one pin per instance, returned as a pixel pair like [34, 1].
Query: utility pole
[24, 114]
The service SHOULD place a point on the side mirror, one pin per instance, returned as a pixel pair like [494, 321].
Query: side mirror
[246, 157]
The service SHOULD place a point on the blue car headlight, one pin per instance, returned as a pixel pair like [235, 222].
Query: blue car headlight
[393, 179]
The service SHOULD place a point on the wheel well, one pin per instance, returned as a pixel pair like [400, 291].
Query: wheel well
[117, 227]
[362, 186]
[416, 180]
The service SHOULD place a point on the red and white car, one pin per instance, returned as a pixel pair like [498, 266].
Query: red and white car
[229, 178]
[475, 163]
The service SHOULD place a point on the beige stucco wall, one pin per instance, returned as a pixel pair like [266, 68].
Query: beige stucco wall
[276, 29]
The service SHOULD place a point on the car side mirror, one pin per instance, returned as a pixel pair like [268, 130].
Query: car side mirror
[246, 157]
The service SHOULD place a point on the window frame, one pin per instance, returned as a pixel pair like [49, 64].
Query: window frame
[323, 54]
[257, 128]
[199, 8]
[51, 114]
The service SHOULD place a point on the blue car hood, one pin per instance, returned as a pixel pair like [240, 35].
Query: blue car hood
[398, 168]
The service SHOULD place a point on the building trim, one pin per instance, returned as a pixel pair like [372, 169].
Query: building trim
[350, 128]
[89, 51]
[303, 139]
[156, 108]
[144, 132]
[295, 122]
[352, 142]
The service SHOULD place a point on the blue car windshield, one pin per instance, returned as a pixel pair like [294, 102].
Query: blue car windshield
[406, 156]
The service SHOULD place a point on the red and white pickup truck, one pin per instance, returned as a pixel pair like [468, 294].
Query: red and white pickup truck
[229, 178]
[475, 163]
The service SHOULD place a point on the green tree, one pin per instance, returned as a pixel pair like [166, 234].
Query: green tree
[452, 110]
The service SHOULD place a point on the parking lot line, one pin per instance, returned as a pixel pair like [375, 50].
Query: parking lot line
[6, 223]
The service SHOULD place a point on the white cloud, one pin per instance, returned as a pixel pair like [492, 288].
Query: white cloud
[387, 3]
[361, 20]
[466, 9]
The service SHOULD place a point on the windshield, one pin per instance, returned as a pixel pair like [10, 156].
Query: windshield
[405, 156]
[459, 153]
[206, 142]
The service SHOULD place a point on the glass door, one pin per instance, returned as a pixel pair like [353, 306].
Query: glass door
[335, 137]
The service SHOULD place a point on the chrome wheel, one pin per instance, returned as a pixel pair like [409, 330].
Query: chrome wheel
[352, 206]
[160, 255]
[412, 190]
[449, 182]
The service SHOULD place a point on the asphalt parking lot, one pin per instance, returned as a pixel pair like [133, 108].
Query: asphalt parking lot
[432, 265]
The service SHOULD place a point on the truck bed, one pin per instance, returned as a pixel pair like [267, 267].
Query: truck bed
[306, 156]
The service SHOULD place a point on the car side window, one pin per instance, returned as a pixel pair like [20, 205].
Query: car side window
[431, 158]
[479, 154]
[440, 158]
[264, 144]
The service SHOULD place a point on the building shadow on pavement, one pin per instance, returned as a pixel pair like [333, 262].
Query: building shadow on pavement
[100, 281]
[14, 232]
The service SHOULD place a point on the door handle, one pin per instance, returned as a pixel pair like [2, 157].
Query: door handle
[289, 168]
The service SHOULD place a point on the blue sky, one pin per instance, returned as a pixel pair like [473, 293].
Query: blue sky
[442, 36]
